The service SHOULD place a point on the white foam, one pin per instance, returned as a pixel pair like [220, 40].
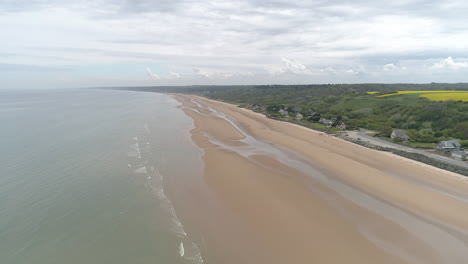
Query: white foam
[188, 250]
[181, 249]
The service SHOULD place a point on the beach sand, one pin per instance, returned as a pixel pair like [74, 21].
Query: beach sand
[280, 193]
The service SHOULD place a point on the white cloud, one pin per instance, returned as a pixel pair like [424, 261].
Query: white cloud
[450, 63]
[389, 67]
[170, 76]
[293, 66]
[152, 75]
[299, 41]
[351, 71]
[329, 70]
[199, 72]
[174, 75]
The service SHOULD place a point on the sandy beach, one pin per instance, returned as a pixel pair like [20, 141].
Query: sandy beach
[280, 193]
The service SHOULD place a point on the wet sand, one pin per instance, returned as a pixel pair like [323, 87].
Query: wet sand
[280, 193]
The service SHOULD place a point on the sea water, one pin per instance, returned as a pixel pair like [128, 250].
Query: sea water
[83, 177]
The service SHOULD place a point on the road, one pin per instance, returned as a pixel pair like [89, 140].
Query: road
[361, 135]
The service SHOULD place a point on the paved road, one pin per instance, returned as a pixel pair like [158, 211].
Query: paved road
[382, 143]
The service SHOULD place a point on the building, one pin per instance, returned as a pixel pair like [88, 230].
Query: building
[341, 125]
[449, 145]
[399, 134]
[458, 154]
[299, 116]
[283, 112]
[325, 121]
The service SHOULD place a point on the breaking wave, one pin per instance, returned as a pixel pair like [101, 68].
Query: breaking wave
[188, 250]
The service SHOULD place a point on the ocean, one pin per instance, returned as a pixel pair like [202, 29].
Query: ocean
[84, 176]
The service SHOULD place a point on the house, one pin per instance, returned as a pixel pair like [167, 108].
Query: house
[325, 121]
[449, 145]
[299, 116]
[341, 125]
[283, 112]
[399, 134]
[458, 154]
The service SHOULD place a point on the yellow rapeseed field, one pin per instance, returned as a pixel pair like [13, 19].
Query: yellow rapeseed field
[463, 96]
[372, 92]
[435, 95]
[421, 92]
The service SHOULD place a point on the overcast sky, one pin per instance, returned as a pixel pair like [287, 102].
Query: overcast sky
[74, 43]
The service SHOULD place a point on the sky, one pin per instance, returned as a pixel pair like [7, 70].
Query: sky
[77, 43]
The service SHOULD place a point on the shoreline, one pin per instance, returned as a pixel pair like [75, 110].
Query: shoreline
[280, 181]
[421, 158]
[389, 151]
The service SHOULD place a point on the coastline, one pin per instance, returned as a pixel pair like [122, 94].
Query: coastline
[307, 195]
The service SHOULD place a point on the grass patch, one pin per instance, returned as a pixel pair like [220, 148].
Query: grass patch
[422, 145]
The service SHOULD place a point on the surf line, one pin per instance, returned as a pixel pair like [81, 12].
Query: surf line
[181, 249]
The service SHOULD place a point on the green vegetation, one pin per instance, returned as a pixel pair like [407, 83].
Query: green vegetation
[358, 105]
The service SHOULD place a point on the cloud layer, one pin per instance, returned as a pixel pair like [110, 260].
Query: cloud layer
[143, 42]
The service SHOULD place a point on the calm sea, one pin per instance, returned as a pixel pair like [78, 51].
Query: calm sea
[82, 177]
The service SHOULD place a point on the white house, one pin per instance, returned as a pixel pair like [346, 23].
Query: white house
[449, 145]
[283, 112]
[341, 125]
[399, 134]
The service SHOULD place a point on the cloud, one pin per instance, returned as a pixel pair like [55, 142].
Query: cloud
[351, 71]
[199, 72]
[293, 66]
[450, 64]
[170, 76]
[174, 75]
[329, 70]
[152, 75]
[298, 41]
[389, 67]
